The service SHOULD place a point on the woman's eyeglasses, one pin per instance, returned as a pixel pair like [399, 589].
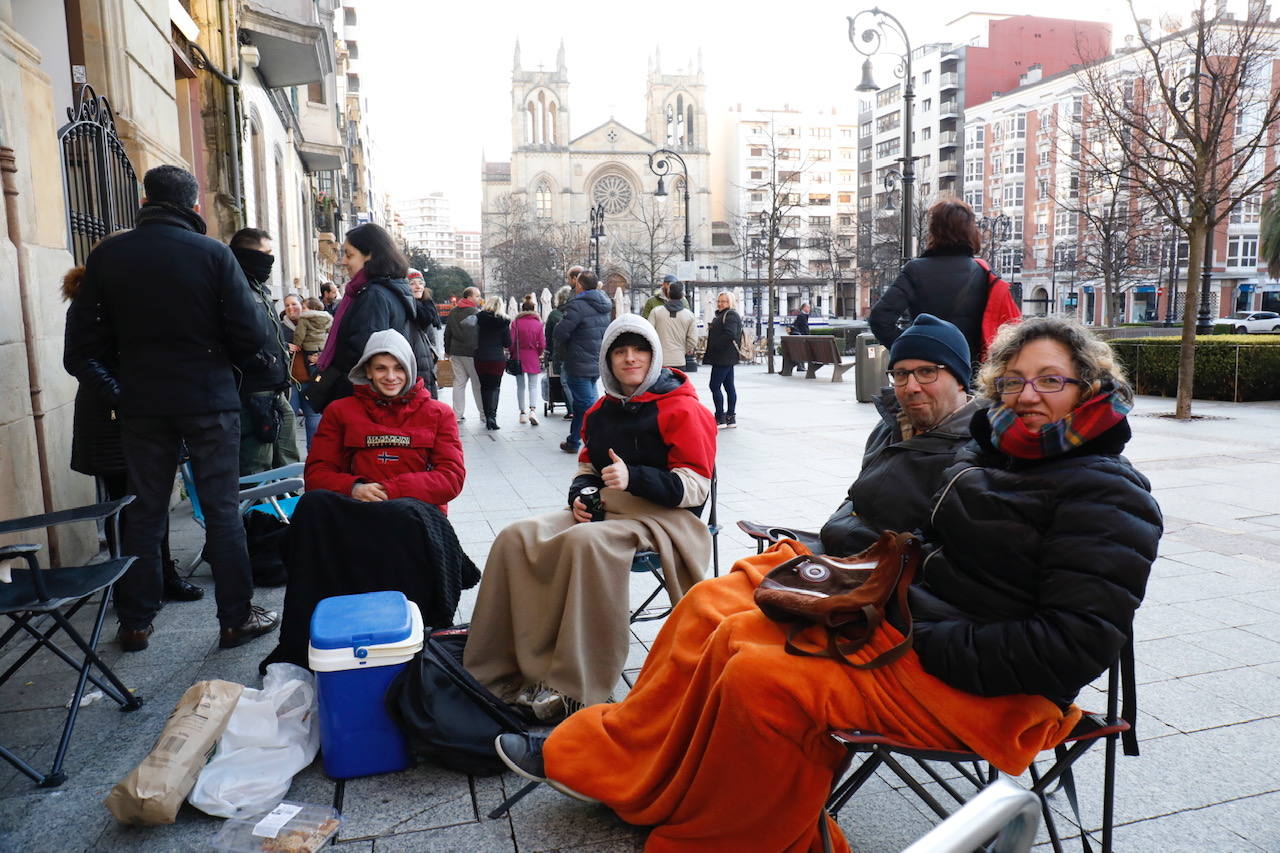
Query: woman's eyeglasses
[1047, 384]
[924, 375]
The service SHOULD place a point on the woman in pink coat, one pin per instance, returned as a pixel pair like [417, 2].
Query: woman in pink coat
[527, 344]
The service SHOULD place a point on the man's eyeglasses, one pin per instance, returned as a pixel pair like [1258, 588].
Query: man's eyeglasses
[1048, 384]
[924, 374]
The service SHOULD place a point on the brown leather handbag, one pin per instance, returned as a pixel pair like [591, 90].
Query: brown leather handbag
[846, 597]
[298, 368]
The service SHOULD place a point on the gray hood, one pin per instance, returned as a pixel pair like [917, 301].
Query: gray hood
[393, 343]
[641, 326]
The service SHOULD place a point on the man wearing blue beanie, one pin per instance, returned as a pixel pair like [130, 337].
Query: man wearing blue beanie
[924, 421]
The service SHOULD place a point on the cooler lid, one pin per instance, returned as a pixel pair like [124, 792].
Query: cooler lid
[359, 621]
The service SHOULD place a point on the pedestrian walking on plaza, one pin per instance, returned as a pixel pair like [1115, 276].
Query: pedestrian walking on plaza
[178, 383]
[97, 449]
[309, 339]
[724, 333]
[527, 346]
[578, 336]
[555, 354]
[493, 339]
[676, 326]
[268, 428]
[800, 325]
[377, 297]
[949, 281]
[427, 321]
[460, 346]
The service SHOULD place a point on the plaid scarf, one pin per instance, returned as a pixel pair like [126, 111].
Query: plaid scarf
[1084, 423]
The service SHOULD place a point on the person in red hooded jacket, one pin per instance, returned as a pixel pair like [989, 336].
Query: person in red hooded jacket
[383, 466]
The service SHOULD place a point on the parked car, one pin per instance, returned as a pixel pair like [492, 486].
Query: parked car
[1244, 322]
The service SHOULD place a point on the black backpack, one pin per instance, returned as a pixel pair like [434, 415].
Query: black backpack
[447, 717]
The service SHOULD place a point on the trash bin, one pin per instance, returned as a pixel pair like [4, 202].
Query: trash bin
[871, 358]
[359, 643]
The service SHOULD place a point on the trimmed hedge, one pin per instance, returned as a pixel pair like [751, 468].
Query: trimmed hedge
[1237, 368]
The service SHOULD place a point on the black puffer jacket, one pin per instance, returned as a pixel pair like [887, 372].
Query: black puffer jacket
[946, 283]
[895, 488]
[723, 333]
[580, 330]
[1041, 567]
[493, 336]
[384, 303]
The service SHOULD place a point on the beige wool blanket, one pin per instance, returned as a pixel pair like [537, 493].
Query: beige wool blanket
[553, 605]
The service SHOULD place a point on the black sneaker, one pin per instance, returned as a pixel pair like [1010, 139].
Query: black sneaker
[261, 621]
[523, 754]
[568, 448]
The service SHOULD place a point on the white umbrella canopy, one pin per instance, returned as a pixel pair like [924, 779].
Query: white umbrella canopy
[544, 303]
[620, 304]
[513, 308]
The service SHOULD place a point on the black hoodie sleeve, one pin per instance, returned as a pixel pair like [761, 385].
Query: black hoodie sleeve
[892, 305]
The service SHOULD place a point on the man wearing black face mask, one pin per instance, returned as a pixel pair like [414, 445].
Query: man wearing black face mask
[268, 429]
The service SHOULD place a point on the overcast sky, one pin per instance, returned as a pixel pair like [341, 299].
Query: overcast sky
[437, 75]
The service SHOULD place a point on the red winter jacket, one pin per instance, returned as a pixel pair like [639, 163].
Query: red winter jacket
[408, 444]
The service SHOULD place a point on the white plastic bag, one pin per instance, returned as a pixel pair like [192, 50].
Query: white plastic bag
[272, 735]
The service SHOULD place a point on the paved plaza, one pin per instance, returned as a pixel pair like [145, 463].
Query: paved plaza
[1208, 649]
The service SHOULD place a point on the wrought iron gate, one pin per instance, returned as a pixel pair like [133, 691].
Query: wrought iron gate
[100, 186]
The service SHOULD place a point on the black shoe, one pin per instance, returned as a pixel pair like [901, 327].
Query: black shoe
[134, 639]
[177, 589]
[523, 754]
[731, 420]
[568, 416]
[491, 423]
[261, 621]
[568, 448]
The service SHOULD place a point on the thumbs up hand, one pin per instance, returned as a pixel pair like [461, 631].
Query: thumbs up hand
[615, 476]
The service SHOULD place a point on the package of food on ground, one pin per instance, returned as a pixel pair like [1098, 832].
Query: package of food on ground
[152, 792]
[288, 828]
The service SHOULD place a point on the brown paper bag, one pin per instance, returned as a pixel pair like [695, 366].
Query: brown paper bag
[152, 792]
[444, 373]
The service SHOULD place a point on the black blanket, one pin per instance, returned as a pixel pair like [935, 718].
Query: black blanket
[337, 545]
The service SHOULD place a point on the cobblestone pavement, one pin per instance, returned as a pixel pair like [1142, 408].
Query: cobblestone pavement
[1208, 649]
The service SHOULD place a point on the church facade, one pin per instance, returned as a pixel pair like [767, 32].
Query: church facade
[554, 179]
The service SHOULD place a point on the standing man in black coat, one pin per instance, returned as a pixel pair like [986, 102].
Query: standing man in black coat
[178, 384]
[578, 336]
[268, 428]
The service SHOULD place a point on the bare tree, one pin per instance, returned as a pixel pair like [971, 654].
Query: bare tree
[530, 253]
[644, 244]
[1195, 111]
[837, 258]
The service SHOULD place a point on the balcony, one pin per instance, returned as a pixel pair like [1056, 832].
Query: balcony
[294, 48]
[949, 109]
[947, 167]
[948, 139]
[948, 81]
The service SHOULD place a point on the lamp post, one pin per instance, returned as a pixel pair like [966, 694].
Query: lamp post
[597, 232]
[877, 23]
[660, 165]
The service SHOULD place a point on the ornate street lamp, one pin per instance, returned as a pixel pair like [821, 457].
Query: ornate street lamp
[597, 232]
[660, 165]
[877, 24]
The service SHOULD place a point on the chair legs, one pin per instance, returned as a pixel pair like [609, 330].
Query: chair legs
[112, 687]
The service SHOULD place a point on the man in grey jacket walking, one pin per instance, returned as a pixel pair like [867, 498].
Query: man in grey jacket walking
[460, 339]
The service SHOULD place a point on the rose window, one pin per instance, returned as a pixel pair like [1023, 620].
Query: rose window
[614, 192]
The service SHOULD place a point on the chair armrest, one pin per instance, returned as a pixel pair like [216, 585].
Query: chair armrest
[8, 551]
[96, 512]
[283, 472]
[267, 490]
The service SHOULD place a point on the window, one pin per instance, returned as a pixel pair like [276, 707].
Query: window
[788, 131]
[1013, 194]
[1242, 251]
[1009, 262]
[757, 129]
[844, 198]
[846, 220]
[1248, 211]
[997, 164]
[819, 221]
[864, 203]
[1015, 163]
[757, 196]
[1018, 126]
[1065, 224]
[757, 174]
[1015, 227]
[848, 154]
[846, 133]
[542, 200]
[757, 151]
[820, 132]
[926, 105]
[973, 170]
[926, 161]
[888, 97]
[974, 199]
[977, 135]
[1042, 187]
[926, 189]
[889, 148]
[846, 176]
[821, 153]
[824, 199]
[1073, 186]
[926, 76]
[889, 122]
[353, 49]
[820, 178]
[1042, 224]
[864, 129]
[788, 177]
[315, 93]
[788, 153]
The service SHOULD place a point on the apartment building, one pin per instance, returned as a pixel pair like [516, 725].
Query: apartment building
[428, 225]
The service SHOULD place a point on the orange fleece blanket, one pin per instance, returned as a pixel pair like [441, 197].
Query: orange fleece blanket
[723, 745]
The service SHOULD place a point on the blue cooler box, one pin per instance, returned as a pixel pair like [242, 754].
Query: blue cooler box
[359, 643]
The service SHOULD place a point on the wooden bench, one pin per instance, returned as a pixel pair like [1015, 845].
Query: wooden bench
[815, 351]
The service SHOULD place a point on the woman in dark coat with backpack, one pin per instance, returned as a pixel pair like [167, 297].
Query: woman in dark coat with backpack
[723, 335]
[949, 281]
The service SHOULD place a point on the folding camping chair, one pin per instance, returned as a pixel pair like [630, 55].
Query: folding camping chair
[1116, 725]
[767, 535]
[273, 492]
[35, 592]
[650, 562]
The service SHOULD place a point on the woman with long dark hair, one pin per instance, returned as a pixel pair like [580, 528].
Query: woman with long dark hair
[493, 339]
[949, 281]
[376, 297]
